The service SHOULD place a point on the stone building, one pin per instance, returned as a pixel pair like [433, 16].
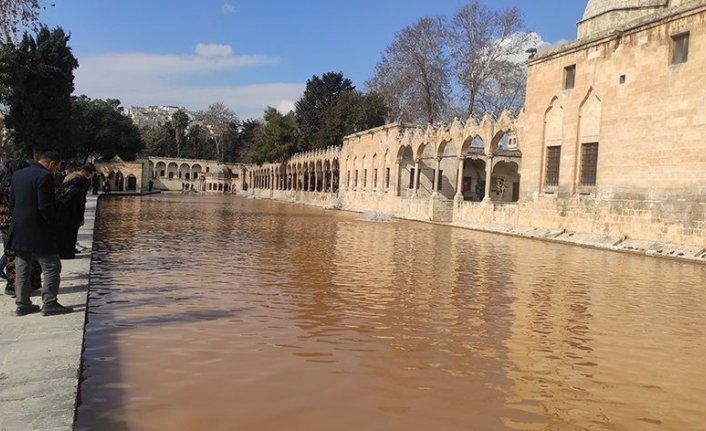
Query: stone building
[609, 149]
[172, 174]
[614, 125]
[311, 177]
[175, 174]
[122, 176]
[425, 173]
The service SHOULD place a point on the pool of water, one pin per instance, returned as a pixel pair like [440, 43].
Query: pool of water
[225, 313]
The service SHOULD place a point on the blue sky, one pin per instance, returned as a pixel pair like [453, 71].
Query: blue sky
[250, 53]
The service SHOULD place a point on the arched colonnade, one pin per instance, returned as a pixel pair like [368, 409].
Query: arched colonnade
[469, 160]
[311, 171]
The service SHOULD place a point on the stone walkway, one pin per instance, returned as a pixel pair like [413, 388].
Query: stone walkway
[40, 357]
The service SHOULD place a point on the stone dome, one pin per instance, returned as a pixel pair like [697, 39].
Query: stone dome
[600, 7]
[222, 169]
[604, 16]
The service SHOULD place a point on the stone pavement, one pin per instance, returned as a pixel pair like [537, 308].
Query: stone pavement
[40, 357]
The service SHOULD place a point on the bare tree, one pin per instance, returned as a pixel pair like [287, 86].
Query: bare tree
[15, 14]
[218, 120]
[413, 76]
[486, 48]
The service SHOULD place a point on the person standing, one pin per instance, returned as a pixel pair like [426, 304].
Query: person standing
[71, 204]
[32, 234]
[7, 267]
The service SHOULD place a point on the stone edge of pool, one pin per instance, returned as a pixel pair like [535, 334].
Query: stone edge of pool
[40, 357]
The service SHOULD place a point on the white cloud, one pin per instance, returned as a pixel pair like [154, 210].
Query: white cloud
[213, 50]
[284, 106]
[130, 65]
[228, 8]
[140, 79]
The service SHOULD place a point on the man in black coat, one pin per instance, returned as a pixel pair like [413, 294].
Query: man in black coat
[32, 234]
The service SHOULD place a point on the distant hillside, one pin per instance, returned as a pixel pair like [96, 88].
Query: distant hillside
[152, 116]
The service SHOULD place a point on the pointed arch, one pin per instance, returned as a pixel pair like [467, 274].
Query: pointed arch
[589, 131]
[552, 141]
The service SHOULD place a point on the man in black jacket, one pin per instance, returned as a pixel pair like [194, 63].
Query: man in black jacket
[32, 234]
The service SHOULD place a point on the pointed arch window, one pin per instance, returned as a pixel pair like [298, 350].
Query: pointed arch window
[551, 177]
[589, 163]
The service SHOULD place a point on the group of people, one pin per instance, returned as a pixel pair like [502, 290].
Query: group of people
[41, 210]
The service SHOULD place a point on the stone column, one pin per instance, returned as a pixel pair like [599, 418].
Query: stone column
[316, 180]
[331, 172]
[416, 178]
[435, 186]
[459, 182]
[323, 181]
[488, 176]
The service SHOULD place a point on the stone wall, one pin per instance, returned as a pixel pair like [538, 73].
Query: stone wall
[649, 119]
[645, 113]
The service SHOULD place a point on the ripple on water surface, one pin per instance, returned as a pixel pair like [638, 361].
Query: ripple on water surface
[229, 313]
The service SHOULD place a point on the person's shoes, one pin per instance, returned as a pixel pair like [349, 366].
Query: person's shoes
[23, 310]
[10, 292]
[54, 308]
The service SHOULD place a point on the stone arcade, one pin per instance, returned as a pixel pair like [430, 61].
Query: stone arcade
[610, 147]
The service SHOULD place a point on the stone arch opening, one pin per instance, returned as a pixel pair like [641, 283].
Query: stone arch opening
[405, 177]
[448, 170]
[172, 171]
[335, 174]
[196, 170]
[131, 183]
[184, 171]
[474, 174]
[427, 169]
[160, 170]
[119, 181]
[505, 182]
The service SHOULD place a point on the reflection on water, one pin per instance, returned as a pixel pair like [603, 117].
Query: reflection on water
[223, 313]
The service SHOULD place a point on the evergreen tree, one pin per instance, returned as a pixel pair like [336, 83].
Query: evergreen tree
[159, 140]
[100, 128]
[320, 96]
[280, 137]
[353, 112]
[36, 78]
[249, 135]
[196, 140]
[180, 121]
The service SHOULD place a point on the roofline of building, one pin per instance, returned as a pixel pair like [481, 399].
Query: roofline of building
[383, 127]
[628, 28]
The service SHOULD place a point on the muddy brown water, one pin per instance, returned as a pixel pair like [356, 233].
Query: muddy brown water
[225, 313]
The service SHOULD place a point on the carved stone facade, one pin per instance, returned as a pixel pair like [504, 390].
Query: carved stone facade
[311, 176]
[171, 174]
[122, 176]
[638, 102]
[609, 150]
[406, 170]
[174, 174]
